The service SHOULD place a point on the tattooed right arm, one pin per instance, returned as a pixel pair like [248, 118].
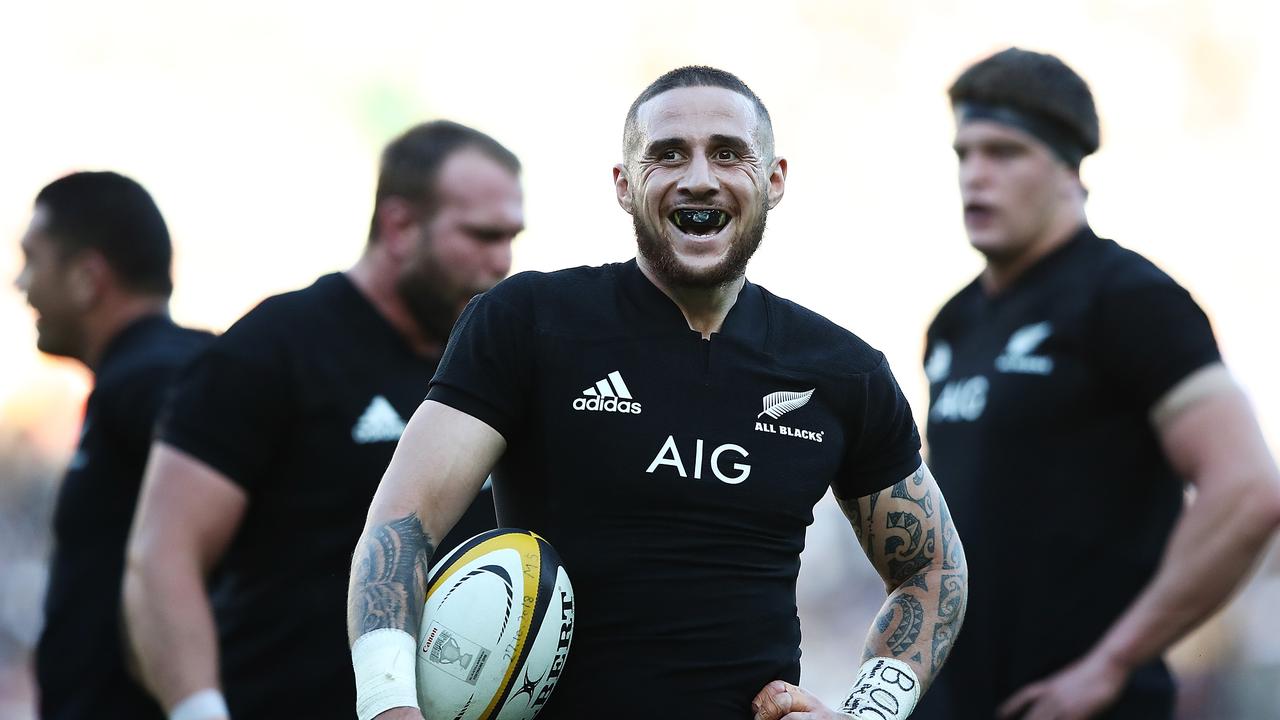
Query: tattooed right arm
[443, 458]
[389, 576]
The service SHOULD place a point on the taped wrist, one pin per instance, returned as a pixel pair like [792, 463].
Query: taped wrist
[886, 689]
[207, 704]
[385, 663]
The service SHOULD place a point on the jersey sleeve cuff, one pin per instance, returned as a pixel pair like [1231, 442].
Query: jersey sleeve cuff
[867, 483]
[474, 406]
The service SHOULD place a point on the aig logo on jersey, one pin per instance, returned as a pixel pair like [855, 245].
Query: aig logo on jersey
[609, 394]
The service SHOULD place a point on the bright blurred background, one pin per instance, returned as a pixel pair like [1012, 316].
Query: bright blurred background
[257, 126]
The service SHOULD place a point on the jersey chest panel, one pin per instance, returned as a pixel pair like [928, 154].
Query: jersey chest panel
[677, 426]
[1022, 371]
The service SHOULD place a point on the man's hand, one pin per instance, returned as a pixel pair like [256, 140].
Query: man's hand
[1077, 692]
[781, 699]
[399, 713]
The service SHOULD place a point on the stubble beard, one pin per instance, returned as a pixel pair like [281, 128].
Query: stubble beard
[659, 254]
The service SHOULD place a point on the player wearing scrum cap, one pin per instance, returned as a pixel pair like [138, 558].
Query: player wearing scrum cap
[681, 519]
[1075, 388]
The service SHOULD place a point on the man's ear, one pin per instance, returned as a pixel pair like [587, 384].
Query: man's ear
[88, 276]
[398, 223]
[777, 181]
[622, 186]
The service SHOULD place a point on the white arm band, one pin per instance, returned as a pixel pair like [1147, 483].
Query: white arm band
[886, 689]
[207, 704]
[385, 662]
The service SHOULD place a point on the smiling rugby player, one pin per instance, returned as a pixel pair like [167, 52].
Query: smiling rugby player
[681, 517]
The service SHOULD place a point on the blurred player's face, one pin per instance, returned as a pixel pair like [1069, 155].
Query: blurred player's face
[53, 290]
[699, 186]
[465, 245]
[1013, 187]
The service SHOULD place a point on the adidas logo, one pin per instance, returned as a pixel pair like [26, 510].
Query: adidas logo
[610, 395]
[379, 423]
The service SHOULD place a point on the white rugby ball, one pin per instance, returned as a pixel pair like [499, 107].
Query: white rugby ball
[496, 629]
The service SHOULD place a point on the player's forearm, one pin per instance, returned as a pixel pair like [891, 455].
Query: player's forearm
[907, 533]
[921, 618]
[170, 625]
[1219, 538]
[389, 576]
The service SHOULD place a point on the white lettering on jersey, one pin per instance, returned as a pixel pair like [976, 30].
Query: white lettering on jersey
[670, 455]
[961, 400]
[609, 394]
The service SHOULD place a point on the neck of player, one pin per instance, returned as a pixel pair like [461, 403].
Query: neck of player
[374, 277]
[1003, 271]
[110, 319]
[704, 308]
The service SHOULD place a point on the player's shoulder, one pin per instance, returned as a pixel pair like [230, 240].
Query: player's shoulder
[567, 284]
[557, 294]
[150, 358]
[280, 319]
[1121, 269]
[801, 337]
[955, 308]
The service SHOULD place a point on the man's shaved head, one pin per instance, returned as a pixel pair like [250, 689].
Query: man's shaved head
[696, 76]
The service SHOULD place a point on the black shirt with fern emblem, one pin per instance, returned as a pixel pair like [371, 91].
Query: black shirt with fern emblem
[1040, 438]
[674, 475]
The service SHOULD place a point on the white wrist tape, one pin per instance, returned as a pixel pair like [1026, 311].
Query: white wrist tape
[206, 704]
[886, 689]
[385, 662]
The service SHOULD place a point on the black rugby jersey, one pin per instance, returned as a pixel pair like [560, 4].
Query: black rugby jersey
[80, 665]
[1040, 438]
[300, 403]
[674, 475]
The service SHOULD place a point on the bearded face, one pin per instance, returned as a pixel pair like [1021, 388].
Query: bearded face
[698, 184]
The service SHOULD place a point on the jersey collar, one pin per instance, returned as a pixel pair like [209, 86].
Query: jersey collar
[650, 308]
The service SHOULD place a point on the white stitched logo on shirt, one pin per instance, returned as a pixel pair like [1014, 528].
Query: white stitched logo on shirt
[379, 423]
[777, 404]
[609, 394]
[1017, 357]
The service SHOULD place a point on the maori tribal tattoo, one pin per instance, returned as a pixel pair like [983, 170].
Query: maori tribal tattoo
[910, 623]
[390, 578]
[950, 610]
[907, 533]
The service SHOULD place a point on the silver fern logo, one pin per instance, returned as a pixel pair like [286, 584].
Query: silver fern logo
[780, 403]
[777, 404]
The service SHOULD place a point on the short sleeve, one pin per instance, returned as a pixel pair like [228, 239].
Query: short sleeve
[231, 406]
[883, 442]
[487, 366]
[1150, 337]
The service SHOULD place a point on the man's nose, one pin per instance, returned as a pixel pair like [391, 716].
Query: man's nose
[699, 178]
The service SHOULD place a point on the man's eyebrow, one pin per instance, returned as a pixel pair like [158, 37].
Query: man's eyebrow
[661, 144]
[733, 142]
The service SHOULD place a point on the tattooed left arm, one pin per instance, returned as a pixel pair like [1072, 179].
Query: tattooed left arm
[907, 533]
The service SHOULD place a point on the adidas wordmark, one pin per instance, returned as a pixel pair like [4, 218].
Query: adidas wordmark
[609, 395]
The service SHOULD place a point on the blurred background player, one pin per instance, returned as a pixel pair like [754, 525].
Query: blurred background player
[680, 511]
[266, 460]
[1075, 390]
[97, 258]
